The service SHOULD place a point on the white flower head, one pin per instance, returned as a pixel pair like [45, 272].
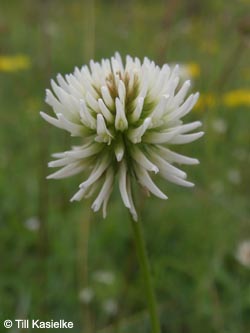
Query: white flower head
[127, 114]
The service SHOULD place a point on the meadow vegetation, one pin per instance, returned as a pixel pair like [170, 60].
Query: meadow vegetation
[61, 261]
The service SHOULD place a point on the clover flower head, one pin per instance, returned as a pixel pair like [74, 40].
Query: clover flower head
[127, 114]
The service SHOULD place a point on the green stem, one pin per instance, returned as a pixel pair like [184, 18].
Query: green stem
[143, 258]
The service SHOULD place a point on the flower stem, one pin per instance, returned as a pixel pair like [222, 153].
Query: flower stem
[143, 259]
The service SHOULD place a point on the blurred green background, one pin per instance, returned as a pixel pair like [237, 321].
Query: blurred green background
[60, 261]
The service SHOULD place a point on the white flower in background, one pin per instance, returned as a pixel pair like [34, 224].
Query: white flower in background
[104, 277]
[219, 125]
[110, 306]
[127, 116]
[234, 176]
[32, 224]
[243, 253]
[86, 295]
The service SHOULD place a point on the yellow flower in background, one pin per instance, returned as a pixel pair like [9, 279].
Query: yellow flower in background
[193, 69]
[14, 63]
[188, 70]
[233, 98]
[236, 98]
[205, 101]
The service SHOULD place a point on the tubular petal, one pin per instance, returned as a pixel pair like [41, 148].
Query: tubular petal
[186, 138]
[96, 172]
[142, 160]
[123, 184]
[121, 122]
[104, 134]
[174, 157]
[146, 181]
[135, 135]
[107, 185]
[138, 110]
[67, 171]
